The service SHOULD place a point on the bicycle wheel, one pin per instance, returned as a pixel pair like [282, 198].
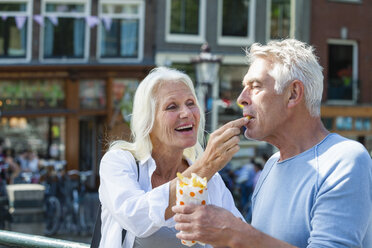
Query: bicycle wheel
[52, 215]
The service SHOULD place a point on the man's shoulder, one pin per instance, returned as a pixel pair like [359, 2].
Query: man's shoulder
[342, 154]
[341, 146]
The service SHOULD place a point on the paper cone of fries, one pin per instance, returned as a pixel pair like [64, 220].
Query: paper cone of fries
[191, 191]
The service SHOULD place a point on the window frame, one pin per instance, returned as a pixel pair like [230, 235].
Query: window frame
[44, 14]
[354, 44]
[186, 38]
[237, 41]
[28, 14]
[292, 20]
[346, 1]
[141, 18]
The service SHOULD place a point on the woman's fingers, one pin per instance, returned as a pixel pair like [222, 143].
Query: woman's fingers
[232, 124]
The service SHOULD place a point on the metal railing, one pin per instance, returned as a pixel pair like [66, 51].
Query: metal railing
[16, 239]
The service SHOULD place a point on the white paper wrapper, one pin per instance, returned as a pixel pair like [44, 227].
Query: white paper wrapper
[189, 194]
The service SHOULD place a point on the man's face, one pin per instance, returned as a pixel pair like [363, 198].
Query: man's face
[262, 103]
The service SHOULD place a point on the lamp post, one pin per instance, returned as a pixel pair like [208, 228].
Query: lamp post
[207, 67]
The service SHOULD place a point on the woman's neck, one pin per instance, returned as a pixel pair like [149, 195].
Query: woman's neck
[167, 166]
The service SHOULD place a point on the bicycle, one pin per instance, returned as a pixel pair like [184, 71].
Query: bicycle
[52, 177]
[65, 201]
[4, 200]
[83, 216]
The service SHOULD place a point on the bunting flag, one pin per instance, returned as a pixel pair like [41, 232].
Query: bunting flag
[39, 19]
[92, 21]
[20, 21]
[107, 21]
[54, 20]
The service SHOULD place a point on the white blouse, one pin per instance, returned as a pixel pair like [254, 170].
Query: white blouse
[134, 205]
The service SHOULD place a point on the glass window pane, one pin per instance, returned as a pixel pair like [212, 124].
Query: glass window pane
[363, 124]
[340, 71]
[121, 40]
[13, 41]
[13, 7]
[280, 19]
[123, 92]
[235, 18]
[64, 8]
[120, 9]
[32, 94]
[45, 136]
[344, 123]
[92, 94]
[65, 40]
[184, 17]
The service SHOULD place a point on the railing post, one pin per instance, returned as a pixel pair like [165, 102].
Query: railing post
[16, 239]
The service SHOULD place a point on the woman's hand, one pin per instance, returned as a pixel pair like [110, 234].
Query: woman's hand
[222, 145]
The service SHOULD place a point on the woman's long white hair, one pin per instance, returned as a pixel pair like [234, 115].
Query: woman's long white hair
[143, 115]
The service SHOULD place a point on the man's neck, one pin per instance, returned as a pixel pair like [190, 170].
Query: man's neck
[300, 137]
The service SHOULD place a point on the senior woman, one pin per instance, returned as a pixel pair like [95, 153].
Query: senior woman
[138, 178]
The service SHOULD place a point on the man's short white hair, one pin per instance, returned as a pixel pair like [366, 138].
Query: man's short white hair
[293, 60]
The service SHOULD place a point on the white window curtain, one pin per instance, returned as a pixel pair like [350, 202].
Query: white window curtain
[48, 38]
[79, 28]
[129, 34]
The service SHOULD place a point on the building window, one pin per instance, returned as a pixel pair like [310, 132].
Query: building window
[362, 124]
[44, 136]
[23, 95]
[346, 1]
[185, 21]
[123, 96]
[15, 30]
[92, 94]
[65, 31]
[121, 29]
[236, 22]
[342, 71]
[279, 23]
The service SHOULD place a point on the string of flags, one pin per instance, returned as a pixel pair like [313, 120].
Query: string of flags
[91, 20]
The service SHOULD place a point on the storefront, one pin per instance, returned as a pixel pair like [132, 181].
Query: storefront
[353, 122]
[66, 112]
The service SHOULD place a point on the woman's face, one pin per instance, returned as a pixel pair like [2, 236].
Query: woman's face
[177, 117]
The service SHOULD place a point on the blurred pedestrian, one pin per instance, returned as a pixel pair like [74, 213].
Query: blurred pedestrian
[13, 167]
[258, 169]
[29, 161]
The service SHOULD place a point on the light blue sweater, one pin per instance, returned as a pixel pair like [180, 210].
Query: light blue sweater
[319, 198]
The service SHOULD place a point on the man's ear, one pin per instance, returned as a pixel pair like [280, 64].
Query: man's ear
[295, 93]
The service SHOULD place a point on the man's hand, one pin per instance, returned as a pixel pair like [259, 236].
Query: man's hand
[208, 224]
[218, 227]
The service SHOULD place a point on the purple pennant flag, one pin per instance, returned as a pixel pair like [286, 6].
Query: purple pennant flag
[92, 21]
[39, 19]
[53, 19]
[20, 21]
[4, 17]
[107, 21]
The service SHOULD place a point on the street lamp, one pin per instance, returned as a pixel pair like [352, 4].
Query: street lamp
[207, 67]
